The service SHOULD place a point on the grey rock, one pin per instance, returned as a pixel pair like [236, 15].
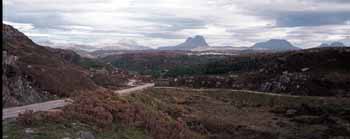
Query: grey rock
[305, 69]
[291, 112]
[86, 135]
[29, 131]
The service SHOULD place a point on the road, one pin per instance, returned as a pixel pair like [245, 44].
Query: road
[131, 82]
[137, 88]
[14, 111]
[245, 91]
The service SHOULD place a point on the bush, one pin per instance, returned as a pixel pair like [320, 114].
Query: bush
[25, 118]
[102, 109]
[29, 118]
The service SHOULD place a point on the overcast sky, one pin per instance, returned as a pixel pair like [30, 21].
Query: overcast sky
[154, 23]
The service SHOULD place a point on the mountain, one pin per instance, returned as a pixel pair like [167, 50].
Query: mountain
[34, 73]
[190, 44]
[333, 44]
[324, 45]
[69, 46]
[124, 45]
[120, 45]
[275, 45]
[220, 48]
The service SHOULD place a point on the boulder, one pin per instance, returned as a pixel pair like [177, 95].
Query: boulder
[86, 135]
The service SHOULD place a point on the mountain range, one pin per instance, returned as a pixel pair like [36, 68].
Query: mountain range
[198, 43]
[124, 44]
[333, 44]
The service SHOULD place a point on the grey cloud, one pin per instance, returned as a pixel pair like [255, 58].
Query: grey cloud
[167, 35]
[175, 23]
[41, 20]
[313, 18]
[149, 21]
[332, 1]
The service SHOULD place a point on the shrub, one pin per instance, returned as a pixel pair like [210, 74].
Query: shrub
[25, 118]
[102, 109]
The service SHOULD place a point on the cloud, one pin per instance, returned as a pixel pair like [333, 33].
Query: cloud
[313, 18]
[168, 22]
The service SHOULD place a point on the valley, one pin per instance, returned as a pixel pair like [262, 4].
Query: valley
[271, 90]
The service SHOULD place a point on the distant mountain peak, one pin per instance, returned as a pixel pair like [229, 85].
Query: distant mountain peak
[337, 44]
[197, 41]
[333, 44]
[324, 45]
[275, 45]
[191, 43]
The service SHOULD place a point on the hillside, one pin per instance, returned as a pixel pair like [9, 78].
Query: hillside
[160, 63]
[318, 72]
[33, 73]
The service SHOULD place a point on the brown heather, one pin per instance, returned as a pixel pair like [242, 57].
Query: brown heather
[103, 109]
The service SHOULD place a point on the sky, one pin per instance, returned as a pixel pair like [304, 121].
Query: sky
[155, 23]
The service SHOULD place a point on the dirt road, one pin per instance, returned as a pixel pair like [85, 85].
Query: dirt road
[245, 91]
[14, 111]
[129, 90]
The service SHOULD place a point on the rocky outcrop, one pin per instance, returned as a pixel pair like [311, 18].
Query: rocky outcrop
[17, 88]
[33, 73]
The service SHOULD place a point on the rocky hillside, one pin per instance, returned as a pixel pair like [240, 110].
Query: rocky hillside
[33, 73]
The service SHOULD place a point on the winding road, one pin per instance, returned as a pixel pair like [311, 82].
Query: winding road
[14, 111]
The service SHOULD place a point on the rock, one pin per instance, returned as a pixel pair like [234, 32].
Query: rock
[305, 69]
[291, 112]
[266, 86]
[29, 131]
[86, 135]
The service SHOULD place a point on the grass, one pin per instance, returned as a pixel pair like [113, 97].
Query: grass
[212, 113]
[220, 113]
[49, 130]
